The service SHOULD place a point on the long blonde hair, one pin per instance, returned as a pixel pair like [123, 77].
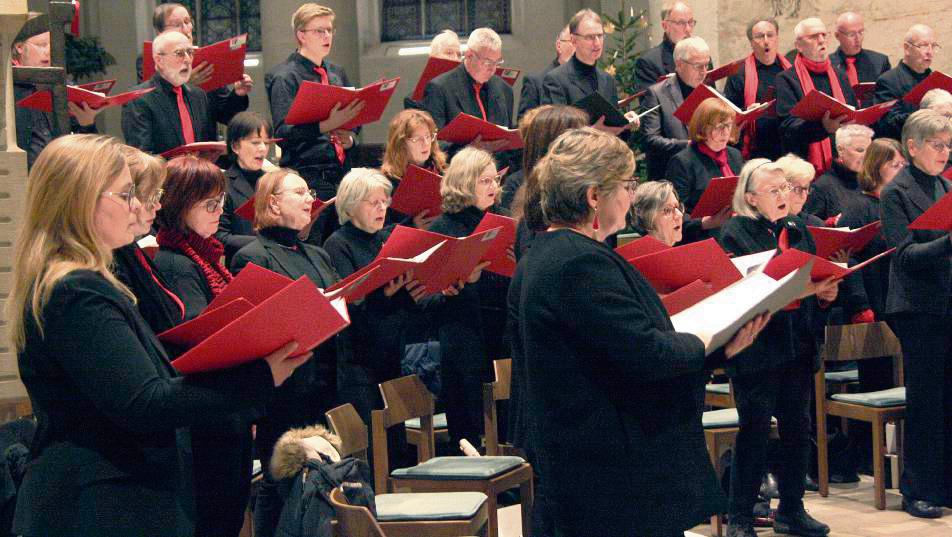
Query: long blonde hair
[57, 236]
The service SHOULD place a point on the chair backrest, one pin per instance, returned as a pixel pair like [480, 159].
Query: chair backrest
[499, 390]
[403, 398]
[353, 520]
[503, 384]
[352, 430]
[850, 342]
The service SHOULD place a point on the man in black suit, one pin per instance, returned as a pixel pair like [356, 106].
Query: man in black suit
[663, 134]
[918, 49]
[532, 93]
[175, 113]
[678, 23]
[859, 64]
[811, 69]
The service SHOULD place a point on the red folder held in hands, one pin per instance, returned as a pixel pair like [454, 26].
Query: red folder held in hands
[437, 66]
[298, 312]
[830, 240]
[724, 71]
[935, 80]
[864, 91]
[191, 333]
[226, 57]
[704, 92]
[43, 100]
[102, 86]
[937, 217]
[314, 102]
[640, 247]
[672, 269]
[497, 254]
[686, 297]
[206, 150]
[253, 283]
[718, 194]
[247, 209]
[418, 191]
[816, 103]
[465, 128]
[792, 259]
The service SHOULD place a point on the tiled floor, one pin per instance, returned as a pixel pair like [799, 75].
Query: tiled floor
[849, 510]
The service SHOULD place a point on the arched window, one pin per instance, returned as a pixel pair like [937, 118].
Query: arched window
[403, 20]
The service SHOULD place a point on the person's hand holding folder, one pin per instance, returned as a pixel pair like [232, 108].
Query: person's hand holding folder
[201, 74]
[283, 364]
[831, 124]
[341, 116]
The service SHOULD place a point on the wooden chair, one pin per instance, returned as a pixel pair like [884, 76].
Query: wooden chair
[499, 390]
[354, 520]
[848, 343]
[406, 398]
[716, 396]
[346, 424]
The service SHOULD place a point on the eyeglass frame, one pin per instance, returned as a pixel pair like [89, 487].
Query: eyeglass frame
[485, 181]
[154, 199]
[383, 204]
[323, 32]
[934, 47]
[486, 63]
[779, 192]
[591, 38]
[690, 22]
[696, 66]
[129, 196]
[933, 142]
[418, 139]
[180, 53]
[667, 211]
[797, 189]
[213, 204]
[852, 35]
[309, 192]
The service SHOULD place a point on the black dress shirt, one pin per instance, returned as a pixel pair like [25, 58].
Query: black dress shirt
[653, 64]
[234, 231]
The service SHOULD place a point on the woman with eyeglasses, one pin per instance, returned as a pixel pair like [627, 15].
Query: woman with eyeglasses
[248, 141]
[800, 175]
[411, 140]
[774, 376]
[657, 212]
[282, 213]
[708, 156]
[109, 455]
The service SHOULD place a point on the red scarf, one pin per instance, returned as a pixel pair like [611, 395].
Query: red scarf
[719, 157]
[820, 153]
[206, 253]
[751, 81]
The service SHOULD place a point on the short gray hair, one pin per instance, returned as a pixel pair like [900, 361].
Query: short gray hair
[690, 45]
[800, 28]
[354, 187]
[484, 38]
[796, 168]
[161, 40]
[922, 125]
[750, 175]
[443, 40]
[458, 187]
[649, 198]
[845, 134]
[935, 97]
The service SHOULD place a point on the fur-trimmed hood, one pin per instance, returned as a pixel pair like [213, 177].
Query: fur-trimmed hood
[296, 446]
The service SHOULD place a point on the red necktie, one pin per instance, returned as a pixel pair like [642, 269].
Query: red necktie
[851, 70]
[188, 134]
[338, 146]
[482, 110]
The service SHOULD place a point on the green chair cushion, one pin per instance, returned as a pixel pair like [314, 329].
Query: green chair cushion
[882, 398]
[439, 422]
[462, 468]
[716, 419]
[428, 506]
[723, 389]
[842, 377]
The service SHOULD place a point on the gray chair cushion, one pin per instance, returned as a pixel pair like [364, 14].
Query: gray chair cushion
[716, 419]
[439, 422]
[723, 389]
[448, 468]
[882, 398]
[842, 377]
[428, 505]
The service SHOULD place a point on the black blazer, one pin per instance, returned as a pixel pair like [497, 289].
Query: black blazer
[920, 278]
[630, 424]
[653, 64]
[531, 95]
[186, 280]
[868, 288]
[155, 305]
[567, 85]
[111, 415]
[895, 84]
[691, 171]
[152, 122]
[234, 231]
[870, 65]
[796, 134]
[663, 134]
[832, 192]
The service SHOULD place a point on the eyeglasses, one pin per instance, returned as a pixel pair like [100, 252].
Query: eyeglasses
[798, 190]
[896, 165]
[591, 38]
[300, 192]
[129, 196]
[761, 37]
[723, 127]
[925, 46]
[213, 204]
[489, 180]
[669, 210]
[631, 185]
[690, 23]
[852, 35]
[778, 192]
[696, 66]
[321, 32]
[425, 139]
[180, 54]
[486, 62]
[153, 200]
[381, 204]
[939, 145]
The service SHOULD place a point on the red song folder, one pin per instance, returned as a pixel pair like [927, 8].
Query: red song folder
[227, 57]
[685, 297]
[191, 333]
[639, 247]
[418, 191]
[102, 86]
[253, 284]
[792, 259]
[437, 66]
[704, 92]
[314, 102]
[724, 71]
[298, 312]
[831, 240]
[247, 209]
[935, 80]
[206, 150]
[672, 269]
[497, 254]
[816, 103]
[937, 217]
[465, 128]
[864, 90]
[373, 276]
[718, 194]
[43, 100]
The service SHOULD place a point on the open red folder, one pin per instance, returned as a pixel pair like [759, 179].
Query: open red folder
[724, 71]
[253, 284]
[101, 86]
[227, 57]
[792, 259]
[672, 269]
[465, 128]
[704, 92]
[43, 100]
[816, 103]
[207, 150]
[718, 194]
[314, 102]
[497, 252]
[418, 191]
[298, 312]
[937, 217]
[864, 91]
[640, 247]
[685, 297]
[191, 333]
[935, 80]
[437, 66]
[831, 240]
[247, 209]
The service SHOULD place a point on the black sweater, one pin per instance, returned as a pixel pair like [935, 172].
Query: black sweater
[234, 231]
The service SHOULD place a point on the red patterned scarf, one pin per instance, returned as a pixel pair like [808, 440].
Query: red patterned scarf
[206, 253]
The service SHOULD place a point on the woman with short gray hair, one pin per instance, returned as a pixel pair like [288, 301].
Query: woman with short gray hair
[838, 187]
[656, 211]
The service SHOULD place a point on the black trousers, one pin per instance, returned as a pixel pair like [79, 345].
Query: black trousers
[927, 363]
[222, 457]
[783, 392]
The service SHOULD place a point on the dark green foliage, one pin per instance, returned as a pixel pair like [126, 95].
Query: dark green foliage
[85, 57]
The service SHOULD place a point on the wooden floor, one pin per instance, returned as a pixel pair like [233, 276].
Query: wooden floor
[848, 510]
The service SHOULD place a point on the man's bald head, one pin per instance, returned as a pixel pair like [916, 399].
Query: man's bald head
[919, 47]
